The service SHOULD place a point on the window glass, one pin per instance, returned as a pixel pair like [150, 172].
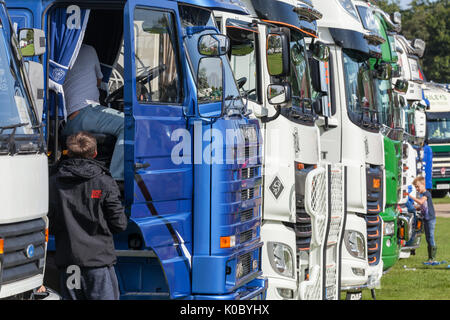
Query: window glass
[15, 99]
[157, 77]
[243, 58]
[299, 78]
[359, 90]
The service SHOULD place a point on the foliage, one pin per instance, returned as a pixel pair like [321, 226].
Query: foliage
[429, 21]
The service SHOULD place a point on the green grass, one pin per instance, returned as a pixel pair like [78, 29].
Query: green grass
[426, 282]
[445, 199]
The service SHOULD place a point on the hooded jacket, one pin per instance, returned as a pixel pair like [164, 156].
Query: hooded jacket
[84, 212]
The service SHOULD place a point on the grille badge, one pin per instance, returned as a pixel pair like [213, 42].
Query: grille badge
[30, 251]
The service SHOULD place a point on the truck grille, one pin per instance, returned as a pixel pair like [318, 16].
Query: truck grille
[247, 194]
[245, 236]
[246, 215]
[248, 173]
[246, 261]
[437, 171]
[24, 250]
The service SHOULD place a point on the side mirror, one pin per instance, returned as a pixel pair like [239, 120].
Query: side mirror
[401, 85]
[419, 45]
[279, 94]
[32, 42]
[278, 54]
[397, 17]
[320, 51]
[35, 73]
[314, 67]
[384, 71]
[210, 86]
[213, 45]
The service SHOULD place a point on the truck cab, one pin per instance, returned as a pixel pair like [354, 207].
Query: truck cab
[23, 164]
[302, 235]
[192, 189]
[409, 89]
[437, 137]
[352, 137]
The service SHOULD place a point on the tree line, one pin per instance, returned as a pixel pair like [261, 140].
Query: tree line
[429, 21]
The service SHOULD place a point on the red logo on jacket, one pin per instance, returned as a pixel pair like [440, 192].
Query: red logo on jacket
[96, 194]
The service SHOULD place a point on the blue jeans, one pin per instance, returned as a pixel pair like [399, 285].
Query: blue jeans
[429, 226]
[99, 119]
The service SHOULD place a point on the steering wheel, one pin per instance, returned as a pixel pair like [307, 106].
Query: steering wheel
[117, 95]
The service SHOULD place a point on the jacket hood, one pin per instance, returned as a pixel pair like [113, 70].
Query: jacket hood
[81, 168]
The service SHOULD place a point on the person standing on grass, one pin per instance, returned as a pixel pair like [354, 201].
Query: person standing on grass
[85, 211]
[426, 207]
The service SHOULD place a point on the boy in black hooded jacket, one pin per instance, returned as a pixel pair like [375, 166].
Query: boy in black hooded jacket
[84, 212]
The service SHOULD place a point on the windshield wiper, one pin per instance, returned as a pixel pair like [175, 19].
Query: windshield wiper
[11, 138]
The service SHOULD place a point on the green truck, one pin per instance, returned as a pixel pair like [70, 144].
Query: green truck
[438, 135]
[389, 117]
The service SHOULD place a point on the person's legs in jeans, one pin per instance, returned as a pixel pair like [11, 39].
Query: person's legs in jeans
[429, 226]
[100, 283]
[99, 119]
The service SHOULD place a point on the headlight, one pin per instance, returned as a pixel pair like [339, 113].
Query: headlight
[349, 7]
[389, 228]
[355, 243]
[281, 258]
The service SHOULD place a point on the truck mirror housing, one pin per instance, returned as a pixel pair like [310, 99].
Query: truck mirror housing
[397, 18]
[35, 73]
[314, 66]
[401, 85]
[278, 54]
[213, 45]
[279, 94]
[320, 51]
[419, 46]
[32, 42]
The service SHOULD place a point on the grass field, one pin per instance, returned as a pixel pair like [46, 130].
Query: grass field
[445, 199]
[426, 282]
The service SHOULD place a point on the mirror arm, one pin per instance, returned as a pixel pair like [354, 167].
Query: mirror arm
[266, 119]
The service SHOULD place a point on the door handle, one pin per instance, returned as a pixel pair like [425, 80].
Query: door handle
[139, 166]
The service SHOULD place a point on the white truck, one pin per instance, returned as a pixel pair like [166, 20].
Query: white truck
[352, 137]
[414, 122]
[303, 196]
[23, 164]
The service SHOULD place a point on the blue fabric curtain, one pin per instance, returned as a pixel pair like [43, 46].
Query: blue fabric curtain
[67, 28]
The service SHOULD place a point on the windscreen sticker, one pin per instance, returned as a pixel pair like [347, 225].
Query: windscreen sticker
[23, 114]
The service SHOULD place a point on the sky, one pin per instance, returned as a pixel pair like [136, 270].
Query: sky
[405, 3]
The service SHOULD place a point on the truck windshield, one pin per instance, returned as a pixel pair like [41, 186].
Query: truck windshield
[359, 90]
[300, 79]
[198, 17]
[15, 103]
[438, 130]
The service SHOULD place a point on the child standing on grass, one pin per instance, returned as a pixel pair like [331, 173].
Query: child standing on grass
[426, 207]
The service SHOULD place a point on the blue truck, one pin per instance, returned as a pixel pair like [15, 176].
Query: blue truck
[192, 189]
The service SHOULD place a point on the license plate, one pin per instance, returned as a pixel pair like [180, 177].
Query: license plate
[443, 186]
